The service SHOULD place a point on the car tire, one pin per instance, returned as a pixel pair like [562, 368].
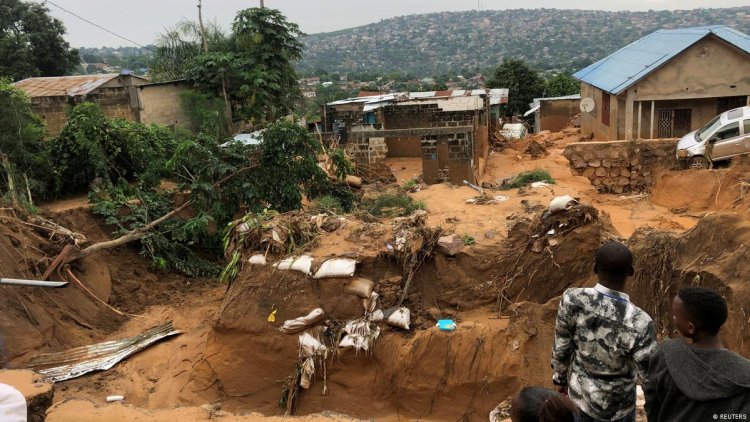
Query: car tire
[699, 162]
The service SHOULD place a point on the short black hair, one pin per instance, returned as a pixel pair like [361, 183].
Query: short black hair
[539, 404]
[705, 307]
[614, 259]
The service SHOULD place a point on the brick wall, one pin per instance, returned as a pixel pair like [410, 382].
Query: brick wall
[161, 104]
[621, 166]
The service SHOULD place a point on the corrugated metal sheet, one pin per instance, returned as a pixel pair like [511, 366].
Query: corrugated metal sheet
[78, 361]
[63, 85]
[625, 67]
[497, 96]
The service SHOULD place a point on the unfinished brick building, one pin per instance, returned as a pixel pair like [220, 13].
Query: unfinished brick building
[449, 130]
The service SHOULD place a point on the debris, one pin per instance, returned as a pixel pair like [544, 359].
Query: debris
[489, 185]
[561, 203]
[257, 259]
[446, 325]
[370, 303]
[489, 234]
[115, 398]
[310, 348]
[293, 326]
[551, 232]
[450, 245]
[539, 184]
[353, 181]
[13, 404]
[337, 267]
[486, 200]
[361, 287]
[97, 357]
[329, 223]
[399, 317]
[32, 283]
[302, 264]
[500, 412]
[272, 316]
[360, 334]
[473, 186]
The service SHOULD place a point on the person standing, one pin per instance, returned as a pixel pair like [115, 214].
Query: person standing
[603, 343]
[700, 381]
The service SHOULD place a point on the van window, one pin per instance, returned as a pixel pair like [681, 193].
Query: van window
[709, 127]
[729, 131]
[747, 127]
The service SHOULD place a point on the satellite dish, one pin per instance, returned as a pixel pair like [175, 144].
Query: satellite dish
[587, 105]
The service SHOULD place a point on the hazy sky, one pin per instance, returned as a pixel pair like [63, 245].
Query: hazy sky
[142, 20]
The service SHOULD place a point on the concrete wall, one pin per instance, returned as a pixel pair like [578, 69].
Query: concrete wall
[161, 104]
[447, 158]
[620, 166]
[555, 115]
[591, 123]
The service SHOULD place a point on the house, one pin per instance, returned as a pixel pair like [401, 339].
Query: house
[52, 96]
[666, 84]
[127, 97]
[448, 130]
[554, 113]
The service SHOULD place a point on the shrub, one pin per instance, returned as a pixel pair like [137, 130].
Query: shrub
[468, 239]
[392, 205]
[528, 177]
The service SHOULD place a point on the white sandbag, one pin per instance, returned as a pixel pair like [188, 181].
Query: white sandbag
[376, 316]
[360, 335]
[310, 346]
[257, 259]
[397, 317]
[296, 325]
[337, 267]
[302, 264]
[361, 287]
[307, 373]
[370, 303]
[561, 203]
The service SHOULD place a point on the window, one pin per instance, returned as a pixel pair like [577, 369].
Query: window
[731, 130]
[729, 103]
[747, 127]
[605, 108]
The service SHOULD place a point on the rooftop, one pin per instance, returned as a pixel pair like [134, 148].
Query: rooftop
[64, 85]
[622, 69]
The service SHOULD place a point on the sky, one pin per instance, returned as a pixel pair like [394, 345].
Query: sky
[142, 20]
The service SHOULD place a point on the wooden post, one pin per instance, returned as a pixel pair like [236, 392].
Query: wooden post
[653, 106]
[203, 29]
[261, 4]
[640, 111]
[11, 183]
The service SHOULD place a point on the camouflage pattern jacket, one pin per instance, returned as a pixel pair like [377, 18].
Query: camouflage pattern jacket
[602, 342]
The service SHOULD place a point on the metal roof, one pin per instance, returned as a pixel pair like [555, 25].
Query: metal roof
[60, 86]
[620, 70]
[372, 102]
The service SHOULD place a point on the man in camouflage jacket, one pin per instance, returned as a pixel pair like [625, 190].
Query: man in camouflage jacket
[603, 342]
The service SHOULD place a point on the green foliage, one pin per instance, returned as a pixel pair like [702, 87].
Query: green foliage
[468, 239]
[178, 47]
[560, 85]
[32, 43]
[392, 205]
[410, 184]
[326, 204]
[523, 83]
[21, 141]
[528, 177]
[196, 106]
[341, 163]
[92, 147]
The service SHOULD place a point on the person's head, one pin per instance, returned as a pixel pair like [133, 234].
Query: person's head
[538, 404]
[614, 263]
[699, 311]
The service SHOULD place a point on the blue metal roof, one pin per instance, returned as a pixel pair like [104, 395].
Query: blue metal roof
[628, 65]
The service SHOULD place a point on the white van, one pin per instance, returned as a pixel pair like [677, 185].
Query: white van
[725, 136]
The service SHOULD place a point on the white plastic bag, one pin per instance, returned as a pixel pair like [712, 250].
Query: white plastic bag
[310, 346]
[361, 287]
[301, 264]
[257, 259]
[370, 303]
[561, 203]
[307, 373]
[337, 267]
[296, 325]
[376, 316]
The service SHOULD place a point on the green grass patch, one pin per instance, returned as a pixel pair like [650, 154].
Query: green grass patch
[468, 239]
[392, 205]
[327, 203]
[528, 177]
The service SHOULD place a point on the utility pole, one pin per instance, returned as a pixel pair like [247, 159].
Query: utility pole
[261, 4]
[203, 29]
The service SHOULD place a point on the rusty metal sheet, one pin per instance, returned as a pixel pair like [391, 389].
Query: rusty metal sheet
[78, 361]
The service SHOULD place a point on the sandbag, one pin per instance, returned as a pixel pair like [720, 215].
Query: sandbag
[307, 372]
[302, 264]
[371, 303]
[296, 325]
[337, 267]
[397, 317]
[257, 259]
[310, 346]
[360, 334]
[361, 287]
[376, 316]
[561, 203]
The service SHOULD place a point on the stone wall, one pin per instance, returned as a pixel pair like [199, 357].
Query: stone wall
[621, 166]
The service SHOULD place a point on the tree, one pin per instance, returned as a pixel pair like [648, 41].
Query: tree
[178, 48]
[31, 42]
[560, 85]
[523, 84]
[23, 152]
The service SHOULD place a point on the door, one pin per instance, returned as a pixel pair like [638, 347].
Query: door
[726, 142]
[674, 123]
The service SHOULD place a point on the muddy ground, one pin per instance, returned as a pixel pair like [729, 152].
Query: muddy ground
[231, 361]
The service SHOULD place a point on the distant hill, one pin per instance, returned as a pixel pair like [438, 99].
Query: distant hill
[467, 42]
